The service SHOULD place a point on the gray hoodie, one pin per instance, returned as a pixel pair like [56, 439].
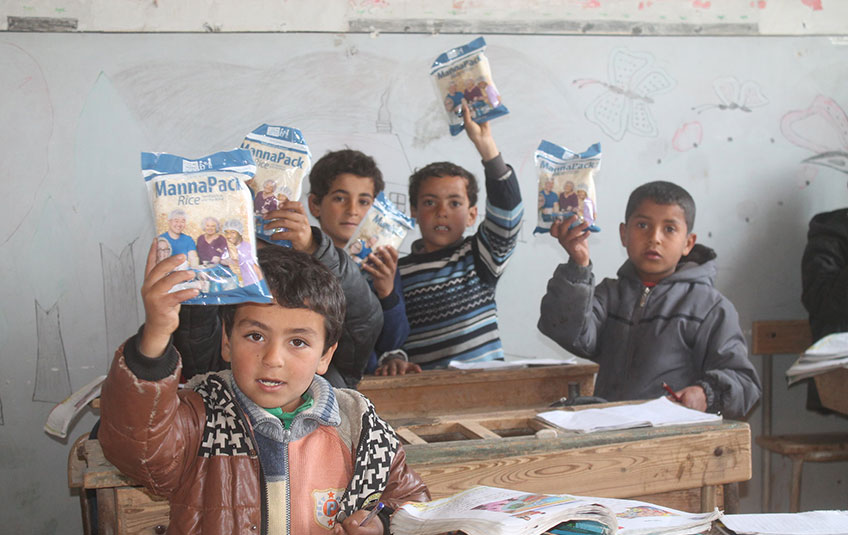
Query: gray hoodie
[682, 332]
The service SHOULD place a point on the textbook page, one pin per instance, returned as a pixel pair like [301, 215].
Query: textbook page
[809, 523]
[656, 413]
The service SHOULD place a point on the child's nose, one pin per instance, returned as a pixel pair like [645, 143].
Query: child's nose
[273, 357]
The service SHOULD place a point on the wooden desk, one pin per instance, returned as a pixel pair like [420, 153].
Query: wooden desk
[451, 391]
[833, 389]
[678, 466]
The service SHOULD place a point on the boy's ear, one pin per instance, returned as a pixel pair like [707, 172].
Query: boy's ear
[225, 345]
[412, 211]
[690, 242]
[314, 206]
[324, 361]
[622, 234]
[472, 216]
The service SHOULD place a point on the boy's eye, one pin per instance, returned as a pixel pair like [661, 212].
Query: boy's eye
[338, 198]
[642, 225]
[428, 202]
[455, 204]
[255, 337]
[298, 342]
[365, 202]
[670, 229]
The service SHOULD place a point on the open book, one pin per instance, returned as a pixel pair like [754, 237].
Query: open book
[495, 511]
[654, 413]
[827, 354]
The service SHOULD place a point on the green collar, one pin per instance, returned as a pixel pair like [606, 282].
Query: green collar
[287, 417]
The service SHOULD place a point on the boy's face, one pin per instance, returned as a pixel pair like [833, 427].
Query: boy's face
[344, 206]
[443, 211]
[656, 237]
[275, 352]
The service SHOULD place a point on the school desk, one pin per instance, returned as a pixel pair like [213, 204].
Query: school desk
[447, 391]
[678, 466]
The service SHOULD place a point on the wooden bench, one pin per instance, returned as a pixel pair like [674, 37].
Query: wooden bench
[792, 337]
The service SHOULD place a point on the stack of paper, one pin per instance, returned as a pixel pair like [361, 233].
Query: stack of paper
[655, 413]
[810, 523]
[507, 364]
[829, 353]
[494, 511]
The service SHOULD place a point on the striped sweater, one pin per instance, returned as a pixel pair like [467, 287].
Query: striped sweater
[450, 293]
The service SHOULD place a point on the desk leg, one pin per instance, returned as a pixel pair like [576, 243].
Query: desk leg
[107, 512]
[708, 498]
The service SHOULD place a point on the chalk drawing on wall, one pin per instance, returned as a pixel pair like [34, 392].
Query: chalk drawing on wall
[735, 96]
[1, 411]
[633, 81]
[24, 102]
[120, 301]
[688, 136]
[52, 381]
[822, 128]
[384, 117]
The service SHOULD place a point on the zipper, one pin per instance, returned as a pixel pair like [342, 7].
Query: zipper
[644, 298]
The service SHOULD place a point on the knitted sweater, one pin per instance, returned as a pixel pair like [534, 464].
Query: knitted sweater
[450, 293]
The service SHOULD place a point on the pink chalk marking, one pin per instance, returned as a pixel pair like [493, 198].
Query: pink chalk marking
[687, 137]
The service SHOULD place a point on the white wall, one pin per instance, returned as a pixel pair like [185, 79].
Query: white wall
[77, 109]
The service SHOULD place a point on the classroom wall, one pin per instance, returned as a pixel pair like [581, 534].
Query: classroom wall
[77, 108]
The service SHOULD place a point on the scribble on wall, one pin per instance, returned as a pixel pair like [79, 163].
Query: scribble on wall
[52, 382]
[735, 96]
[822, 129]
[688, 136]
[1, 411]
[120, 297]
[384, 117]
[633, 81]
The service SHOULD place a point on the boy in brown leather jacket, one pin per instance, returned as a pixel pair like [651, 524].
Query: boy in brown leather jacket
[270, 446]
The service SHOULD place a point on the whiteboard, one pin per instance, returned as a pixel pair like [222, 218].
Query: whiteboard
[78, 109]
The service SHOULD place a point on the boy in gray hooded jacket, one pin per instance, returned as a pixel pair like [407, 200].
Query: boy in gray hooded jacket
[662, 320]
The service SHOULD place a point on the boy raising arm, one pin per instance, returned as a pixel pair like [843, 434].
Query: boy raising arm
[269, 447]
[662, 320]
[449, 281]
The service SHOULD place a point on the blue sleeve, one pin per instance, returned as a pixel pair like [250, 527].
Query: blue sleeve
[498, 233]
[395, 323]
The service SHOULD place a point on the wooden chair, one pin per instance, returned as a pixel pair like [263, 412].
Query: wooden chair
[76, 470]
[770, 338]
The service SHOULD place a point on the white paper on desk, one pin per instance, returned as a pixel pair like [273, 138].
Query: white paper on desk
[506, 364]
[657, 413]
[832, 345]
[808, 523]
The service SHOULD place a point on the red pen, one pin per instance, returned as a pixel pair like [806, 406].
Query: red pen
[671, 393]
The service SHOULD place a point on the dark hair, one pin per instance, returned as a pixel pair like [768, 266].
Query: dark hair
[442, 169]
[662, 192]
[298, 280]
[337, 162]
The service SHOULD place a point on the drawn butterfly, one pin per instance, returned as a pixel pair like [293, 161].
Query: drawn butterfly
[734, 96]
[822, 128]
[633, 81]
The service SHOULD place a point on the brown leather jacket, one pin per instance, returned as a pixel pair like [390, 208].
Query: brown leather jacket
[198, 447]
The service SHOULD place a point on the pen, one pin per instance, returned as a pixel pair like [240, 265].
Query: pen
[377, 508]
[671, 393]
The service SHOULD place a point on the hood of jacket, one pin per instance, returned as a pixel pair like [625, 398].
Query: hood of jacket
[697, 267]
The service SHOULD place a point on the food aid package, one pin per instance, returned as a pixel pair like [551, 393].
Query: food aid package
[566, 184]
[382, 225]
[463, 73]
[282, 160]
[203, 209]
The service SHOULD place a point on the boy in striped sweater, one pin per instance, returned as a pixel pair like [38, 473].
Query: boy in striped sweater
[449, 281]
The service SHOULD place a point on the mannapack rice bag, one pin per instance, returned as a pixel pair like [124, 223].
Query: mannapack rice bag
[463, 73]
[202, 208]
[383, 224]
[566, 184]
[282, 160]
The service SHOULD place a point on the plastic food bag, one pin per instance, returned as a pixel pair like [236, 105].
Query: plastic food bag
[202, 208]
[383, 225]
[282, 160]
[463, 73]
[566, 184]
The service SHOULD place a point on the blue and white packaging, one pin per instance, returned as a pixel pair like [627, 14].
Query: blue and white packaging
[463, 74]
[566, 184]
[204, 209]
[282, 160]
[382, 225]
